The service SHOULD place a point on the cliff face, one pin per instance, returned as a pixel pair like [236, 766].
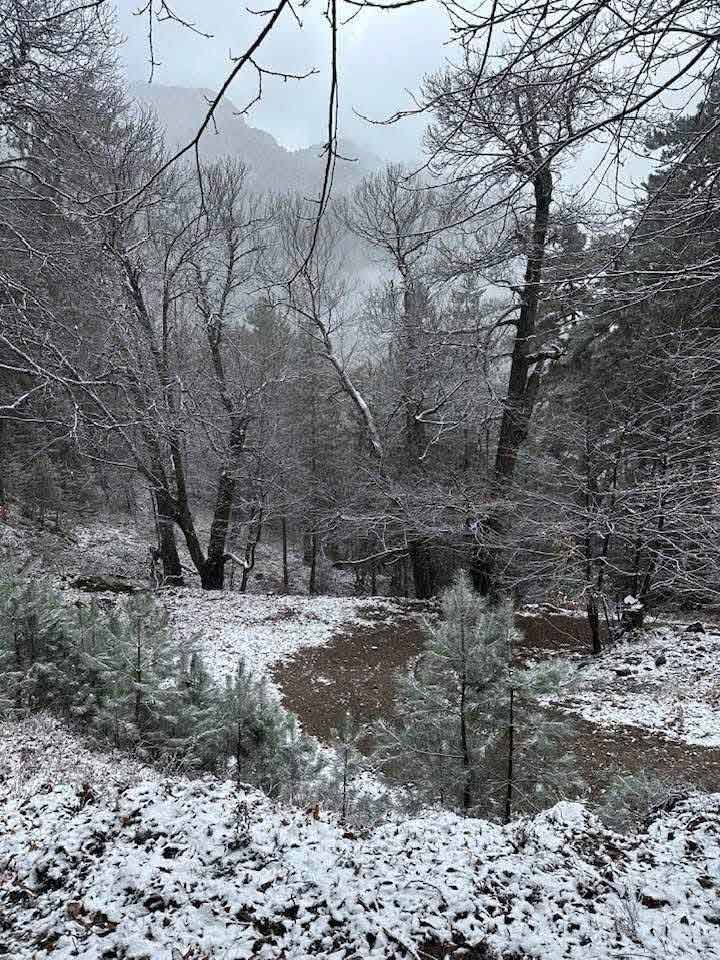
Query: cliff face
[180, 110]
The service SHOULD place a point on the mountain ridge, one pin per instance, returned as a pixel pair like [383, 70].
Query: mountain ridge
[271, 166]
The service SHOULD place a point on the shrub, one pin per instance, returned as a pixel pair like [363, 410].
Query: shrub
[630, 800]
[124, 678]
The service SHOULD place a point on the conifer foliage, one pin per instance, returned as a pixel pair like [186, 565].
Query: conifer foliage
[124, 678]
[472, 733]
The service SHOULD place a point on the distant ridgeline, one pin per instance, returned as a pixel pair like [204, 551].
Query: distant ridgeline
[180, 111]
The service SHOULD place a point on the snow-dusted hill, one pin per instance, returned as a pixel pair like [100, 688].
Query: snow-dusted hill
[665, 680]
[104, 859]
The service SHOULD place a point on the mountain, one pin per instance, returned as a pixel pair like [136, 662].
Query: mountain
[181, 110]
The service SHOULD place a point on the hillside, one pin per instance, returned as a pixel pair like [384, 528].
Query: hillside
[103, 858]
[180, 111]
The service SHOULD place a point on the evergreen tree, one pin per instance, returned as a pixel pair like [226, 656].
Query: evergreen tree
[124, 678]
[470, 732]
[261, 738]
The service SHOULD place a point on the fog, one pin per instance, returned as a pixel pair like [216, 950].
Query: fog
[382, 59]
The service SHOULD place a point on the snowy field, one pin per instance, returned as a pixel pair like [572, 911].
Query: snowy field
[666, 681]
[99, 860]
[264, 630]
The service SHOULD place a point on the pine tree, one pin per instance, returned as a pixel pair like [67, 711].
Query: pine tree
[123, 677]
[470, 733]
[261, 738]
[348, 763]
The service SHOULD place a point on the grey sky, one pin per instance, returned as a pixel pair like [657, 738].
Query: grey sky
[383, 55]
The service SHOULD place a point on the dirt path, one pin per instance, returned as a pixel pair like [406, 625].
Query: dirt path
[356, 671]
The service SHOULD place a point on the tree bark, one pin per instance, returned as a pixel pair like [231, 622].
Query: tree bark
[2, 463]
[212, 575]
[466, 764]
[523, 382]
[520, 397]
[312, 584]
[286, 578]
[510, 758]
[423, 569]
[172, 569]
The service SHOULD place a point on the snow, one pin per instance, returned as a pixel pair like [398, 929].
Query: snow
[167, 868]
[663, 680]
[264, 630]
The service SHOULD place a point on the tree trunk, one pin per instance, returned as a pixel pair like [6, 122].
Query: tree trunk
[520, 396]
[466, 764]
[313, 564]
[254, 533]
[522, 383]
[167, 547]
[510, 758]
[3, 460]
[423, 570]
[286, 578]
[593, 616]
[212, 576]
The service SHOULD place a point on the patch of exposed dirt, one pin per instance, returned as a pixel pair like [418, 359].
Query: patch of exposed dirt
[602, 753]
[546, 635]
[355, 671]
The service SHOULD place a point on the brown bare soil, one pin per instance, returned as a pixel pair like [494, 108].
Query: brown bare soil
[604, 752]
[357, 670]
[553, 634]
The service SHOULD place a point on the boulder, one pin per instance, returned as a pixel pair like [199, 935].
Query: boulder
[111, 583]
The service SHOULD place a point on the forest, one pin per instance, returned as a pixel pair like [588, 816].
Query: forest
[362, 536]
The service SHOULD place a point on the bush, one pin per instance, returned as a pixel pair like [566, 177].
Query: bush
[124, 678]
[631, 800]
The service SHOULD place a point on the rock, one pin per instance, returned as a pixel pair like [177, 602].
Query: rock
[74, 909]
[696, 627]
[112, 583]
[660, 660]
[622, 672]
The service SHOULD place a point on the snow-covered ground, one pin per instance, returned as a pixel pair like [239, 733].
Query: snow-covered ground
[666, 680]
[98, 861]
[112, 545]
[264, 630]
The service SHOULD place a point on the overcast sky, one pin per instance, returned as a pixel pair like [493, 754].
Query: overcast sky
[382, 57]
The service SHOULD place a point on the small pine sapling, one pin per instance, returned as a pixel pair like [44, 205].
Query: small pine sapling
[348, 762]
[470, 732]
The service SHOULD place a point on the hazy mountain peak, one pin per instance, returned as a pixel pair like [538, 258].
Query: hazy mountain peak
[180, 111]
